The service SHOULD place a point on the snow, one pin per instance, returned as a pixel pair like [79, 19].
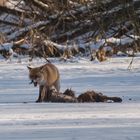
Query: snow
[124, 40]
[6, 46]
[22, 118]
[15, 4]
[8, 17]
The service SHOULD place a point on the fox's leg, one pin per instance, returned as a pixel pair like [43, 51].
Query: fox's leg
[44, 93]
[40, 92]
[57, 85]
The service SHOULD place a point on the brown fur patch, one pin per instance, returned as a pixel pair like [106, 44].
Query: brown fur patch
[69, 92]
[92, 96]
[60, 97]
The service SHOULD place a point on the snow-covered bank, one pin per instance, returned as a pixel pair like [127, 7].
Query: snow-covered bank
[59, 121]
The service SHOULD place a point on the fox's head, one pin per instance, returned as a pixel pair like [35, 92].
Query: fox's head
[35, 75]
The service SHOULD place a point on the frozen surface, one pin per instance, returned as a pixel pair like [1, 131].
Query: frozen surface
[22, 119]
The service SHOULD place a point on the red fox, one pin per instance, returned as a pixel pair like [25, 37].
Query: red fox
[3, 2]
[47, 77]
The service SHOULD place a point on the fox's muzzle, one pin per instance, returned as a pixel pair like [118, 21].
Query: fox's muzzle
[33, 82]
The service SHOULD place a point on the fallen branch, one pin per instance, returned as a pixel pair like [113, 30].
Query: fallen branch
[20, 32]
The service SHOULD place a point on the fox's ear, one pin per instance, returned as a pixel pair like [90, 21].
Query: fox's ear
[29, 68]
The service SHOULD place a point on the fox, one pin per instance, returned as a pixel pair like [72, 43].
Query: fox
[3, 2]
[47, 77]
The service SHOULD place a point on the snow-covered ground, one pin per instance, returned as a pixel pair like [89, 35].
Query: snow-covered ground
[22, 119]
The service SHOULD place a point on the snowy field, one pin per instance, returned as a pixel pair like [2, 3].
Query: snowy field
[23, 119]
